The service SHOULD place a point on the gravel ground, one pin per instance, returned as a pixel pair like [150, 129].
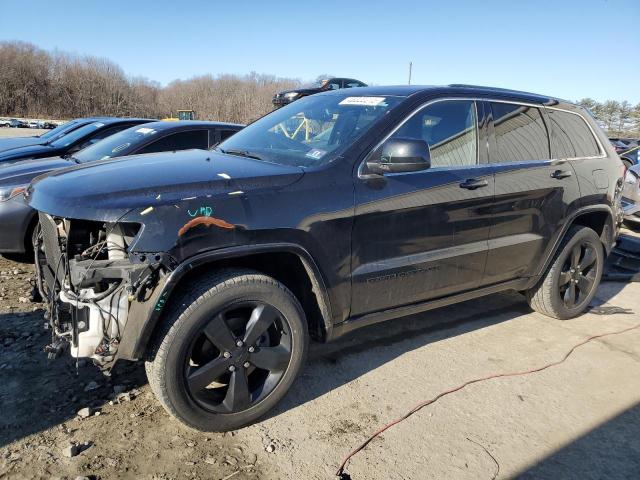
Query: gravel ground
[21, 132]
[578, 420]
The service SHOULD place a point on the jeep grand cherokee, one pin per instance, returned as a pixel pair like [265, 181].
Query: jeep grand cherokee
[337, 211]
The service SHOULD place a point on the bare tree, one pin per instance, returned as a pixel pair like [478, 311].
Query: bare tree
[41, 84]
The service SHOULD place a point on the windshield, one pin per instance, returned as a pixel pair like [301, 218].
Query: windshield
[59, 131]
[78, 134]
[116, 145]
[310, 131]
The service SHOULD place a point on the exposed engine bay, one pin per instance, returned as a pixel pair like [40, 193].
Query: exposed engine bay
[87, 281]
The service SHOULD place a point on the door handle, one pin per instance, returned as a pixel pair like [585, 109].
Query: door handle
[473, 183]
[560, 174]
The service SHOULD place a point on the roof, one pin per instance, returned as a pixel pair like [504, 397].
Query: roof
[180, 124]
[454, 89]
[110, 120]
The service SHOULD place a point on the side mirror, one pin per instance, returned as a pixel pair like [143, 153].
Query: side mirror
[400, 155]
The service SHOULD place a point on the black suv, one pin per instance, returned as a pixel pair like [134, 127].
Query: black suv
[340, 210]
[288, 96]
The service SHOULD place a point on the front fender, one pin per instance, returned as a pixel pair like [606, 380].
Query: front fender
[144, 315]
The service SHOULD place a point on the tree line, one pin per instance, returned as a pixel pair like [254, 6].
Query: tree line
[617, 118]
[35, 83]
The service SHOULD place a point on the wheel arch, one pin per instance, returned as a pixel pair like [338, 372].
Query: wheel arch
[285, 262]
[600, 218]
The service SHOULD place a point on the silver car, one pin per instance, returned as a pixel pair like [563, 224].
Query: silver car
[631, 197]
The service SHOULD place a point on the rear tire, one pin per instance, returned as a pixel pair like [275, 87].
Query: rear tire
[572, 280]
[227, 350]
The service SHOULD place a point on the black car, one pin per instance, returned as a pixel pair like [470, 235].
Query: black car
[628, 149]
[217, 267]
[288, 96]
[18, 220]
[48, 137]
[73, 141]
[13, 123]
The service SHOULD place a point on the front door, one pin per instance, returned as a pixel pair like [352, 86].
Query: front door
[423, 235]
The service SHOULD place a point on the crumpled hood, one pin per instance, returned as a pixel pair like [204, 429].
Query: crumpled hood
[21, 172]
[10, 143]
[106, 190]
[26, 152]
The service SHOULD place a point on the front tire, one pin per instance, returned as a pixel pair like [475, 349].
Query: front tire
[228, 350]
[571, 282]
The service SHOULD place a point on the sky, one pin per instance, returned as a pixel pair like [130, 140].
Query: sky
[565, 48]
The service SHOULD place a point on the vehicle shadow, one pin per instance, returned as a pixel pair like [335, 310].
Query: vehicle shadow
[323, 372]
[37, 394]
[611, 450]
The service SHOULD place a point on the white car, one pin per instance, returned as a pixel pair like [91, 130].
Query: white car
[34, 124]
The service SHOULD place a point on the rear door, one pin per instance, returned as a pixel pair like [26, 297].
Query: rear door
[422, 235]
[533, 193]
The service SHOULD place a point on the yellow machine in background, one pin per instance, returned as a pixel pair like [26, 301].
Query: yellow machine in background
[182, 115]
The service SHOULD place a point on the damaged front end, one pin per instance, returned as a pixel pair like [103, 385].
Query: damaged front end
[88, 282]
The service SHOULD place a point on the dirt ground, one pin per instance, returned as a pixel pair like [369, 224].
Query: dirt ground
[580, 419]
[20, 132]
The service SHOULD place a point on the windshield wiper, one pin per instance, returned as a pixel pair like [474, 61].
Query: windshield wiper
[241, 153]
[68, 156]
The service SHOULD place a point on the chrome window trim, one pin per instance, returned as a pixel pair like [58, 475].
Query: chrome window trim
[603, 153]
[476, 100]
[405, 120]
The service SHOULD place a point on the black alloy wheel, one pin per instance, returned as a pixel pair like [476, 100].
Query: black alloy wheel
[238, 358]
[578, 277]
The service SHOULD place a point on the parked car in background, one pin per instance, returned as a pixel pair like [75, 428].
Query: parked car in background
[18, 220]
[627, 149]
[14, 123]
[5, 123]
[73, 141]
[56, 132]
[288, 96]
[631, 197]
[49, 125]
[340, 210]
[34, 124]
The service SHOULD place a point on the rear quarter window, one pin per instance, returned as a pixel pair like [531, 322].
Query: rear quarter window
[571, 136]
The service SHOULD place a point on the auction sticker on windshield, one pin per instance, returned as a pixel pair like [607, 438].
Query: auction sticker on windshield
[316, 153]
[364, 101]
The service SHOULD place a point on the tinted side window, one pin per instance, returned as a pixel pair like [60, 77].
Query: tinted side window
[179, 141]
[571, 136]
[107, 132]
[520, 133]
[224, 134]
[449, 128]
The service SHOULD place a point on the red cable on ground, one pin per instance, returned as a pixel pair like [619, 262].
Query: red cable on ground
[421, 405]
